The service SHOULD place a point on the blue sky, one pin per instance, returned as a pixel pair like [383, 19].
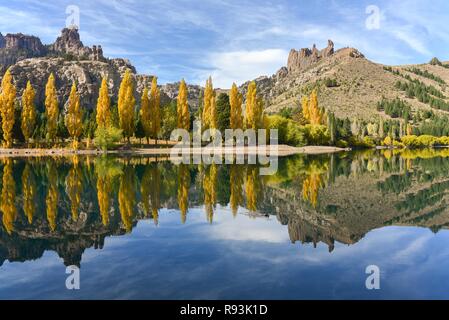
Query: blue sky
[237, 40]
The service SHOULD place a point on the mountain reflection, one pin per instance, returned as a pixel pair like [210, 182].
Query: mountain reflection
[68, 204]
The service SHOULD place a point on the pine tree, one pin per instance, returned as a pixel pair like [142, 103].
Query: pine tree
[209, 106]
[28, 112]
[51, 108]
[235, 99]
[183, 107]
[7, 101]
[103, 106]
[155, 109]
[126, 104]
[145, 114]
[74, 117]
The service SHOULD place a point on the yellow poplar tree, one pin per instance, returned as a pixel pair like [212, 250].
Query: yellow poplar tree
[74, 187]
[235, 100]
[7, 100]
[155, 109]
[254, 108]
[145, 113]
[183, 191]
[28, 112]
[126, 104]
[127, 197]
[74, 117]
[311, 110]
[51, 107]
[209, 106]
[183, 107]
[103, 106]
[51, 200]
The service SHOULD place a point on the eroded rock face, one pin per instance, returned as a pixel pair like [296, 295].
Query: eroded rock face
[69, 43]
[16, 47]
[304, 58]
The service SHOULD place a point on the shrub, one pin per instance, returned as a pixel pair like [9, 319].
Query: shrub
[295, 134]
[317, 134]
[105, 138]
[341, 144]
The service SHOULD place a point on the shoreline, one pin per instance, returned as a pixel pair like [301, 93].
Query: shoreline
[279, 150]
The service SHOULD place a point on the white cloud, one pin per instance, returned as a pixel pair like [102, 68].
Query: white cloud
[241, 66]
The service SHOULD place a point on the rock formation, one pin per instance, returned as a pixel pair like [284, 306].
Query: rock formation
[304, 58]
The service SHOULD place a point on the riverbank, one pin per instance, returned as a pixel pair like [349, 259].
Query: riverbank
[279, 150]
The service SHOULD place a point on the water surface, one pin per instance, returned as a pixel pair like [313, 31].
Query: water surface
[145, 228]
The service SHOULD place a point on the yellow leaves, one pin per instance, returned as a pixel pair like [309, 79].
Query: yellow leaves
[74, 117]
[29, 192]
[145, 112]
[51, 201]
[209, 116]
[235, 100]
[51, 107]
[155, 110]
[311, 110]
[7, 100]
[127, 197]
[8, 197]
[28, 112]
[103, 106]
[254, 108]
[236, 182]
[252, 188]
[183, 107]
[183, 190]
[126, 104]
[311, 185]
[74, 186]
[210, 196]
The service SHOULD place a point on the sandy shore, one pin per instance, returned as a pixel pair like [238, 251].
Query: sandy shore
[280, 150]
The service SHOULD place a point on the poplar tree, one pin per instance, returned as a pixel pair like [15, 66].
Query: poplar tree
[74, 117]
[7, 100]
[126, 104]
[145, 114]
[103, 106]
[235, 99]
[209, 106]
[183, 107]
[51, 108]
[28, 112]
[254, 108]
[155, 109]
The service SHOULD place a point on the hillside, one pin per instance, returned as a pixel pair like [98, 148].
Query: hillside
[349, 84]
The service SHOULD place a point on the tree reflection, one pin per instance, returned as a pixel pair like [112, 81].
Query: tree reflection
[8, 206]
[127, 196]
[183, 190]
[236, 185]
[209, 187]
[74, 185]
[252, 187]
[106, 170]
[29, 192]
[51, 201]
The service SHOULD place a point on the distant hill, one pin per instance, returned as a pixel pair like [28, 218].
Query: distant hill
[349, 85]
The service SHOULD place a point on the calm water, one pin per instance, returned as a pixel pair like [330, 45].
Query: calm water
[141, 228]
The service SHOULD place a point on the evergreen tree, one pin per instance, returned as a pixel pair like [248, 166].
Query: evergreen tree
[223, 112]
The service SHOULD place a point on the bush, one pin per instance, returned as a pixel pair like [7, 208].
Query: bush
[424, 141]
[105, 138]
[341, 144]
[289, 131]
[317, 135]
[295, 134]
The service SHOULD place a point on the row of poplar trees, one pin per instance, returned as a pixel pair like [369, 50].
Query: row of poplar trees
[149, 109]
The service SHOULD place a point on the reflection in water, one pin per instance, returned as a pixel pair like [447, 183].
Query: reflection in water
[8, 197]
[71, 204]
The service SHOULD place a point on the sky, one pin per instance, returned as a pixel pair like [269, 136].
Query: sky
[236, 40]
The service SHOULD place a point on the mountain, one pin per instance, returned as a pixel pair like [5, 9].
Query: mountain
[71, 61]
[349, 84]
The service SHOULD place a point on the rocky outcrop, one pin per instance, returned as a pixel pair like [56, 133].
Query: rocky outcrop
[304, 58]
[16, 47]
[69, 43]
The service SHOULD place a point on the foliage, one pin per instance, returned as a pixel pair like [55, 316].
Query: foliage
[28, 122]
[235, 100]
[223, 112]
[103, 106]
[126, 105]
[317, 134]
[183, 114]
[7, 101]
[106, 137]
[209, 116]
[51, 108]
[74, 116]
[155, 109]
